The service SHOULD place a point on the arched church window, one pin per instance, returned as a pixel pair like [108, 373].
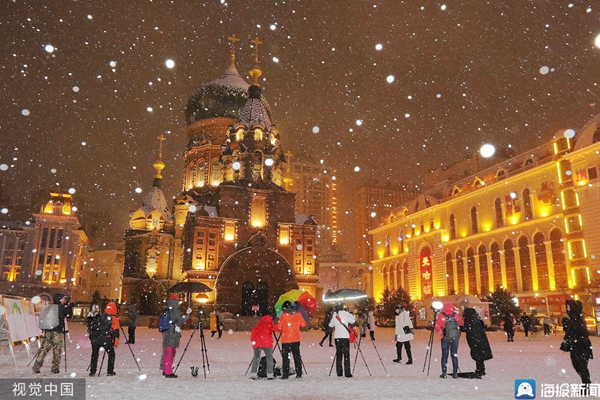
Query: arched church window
[257, 167]
[262, 293]
[200, 172]
[249, 298]
[216, 173]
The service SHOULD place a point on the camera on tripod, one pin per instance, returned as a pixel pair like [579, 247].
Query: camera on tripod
[200, 312]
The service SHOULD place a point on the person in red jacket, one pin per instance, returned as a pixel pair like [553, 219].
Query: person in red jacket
[262, 340]
[289, 324]
[448, 323]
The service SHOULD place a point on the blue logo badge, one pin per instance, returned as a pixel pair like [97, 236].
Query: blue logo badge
[524, 388]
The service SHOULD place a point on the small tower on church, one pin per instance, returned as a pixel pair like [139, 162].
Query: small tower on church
[252, 149]
[150, 247]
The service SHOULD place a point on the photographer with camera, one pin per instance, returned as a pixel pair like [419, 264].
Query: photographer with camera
[104, 332]
[53, 338]
[340, 321]
[172, 336]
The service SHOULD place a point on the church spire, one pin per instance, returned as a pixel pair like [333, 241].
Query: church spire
[255, 72]
[159, 165]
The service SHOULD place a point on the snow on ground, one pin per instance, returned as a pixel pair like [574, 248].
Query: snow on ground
[538, 358]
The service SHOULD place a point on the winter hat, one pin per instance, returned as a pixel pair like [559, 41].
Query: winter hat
[466, 303]
[174, 296]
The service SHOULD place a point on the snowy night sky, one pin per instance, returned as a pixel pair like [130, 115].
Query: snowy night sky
[393, 87]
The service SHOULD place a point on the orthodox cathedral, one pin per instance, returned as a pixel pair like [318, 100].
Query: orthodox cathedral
[234, 226]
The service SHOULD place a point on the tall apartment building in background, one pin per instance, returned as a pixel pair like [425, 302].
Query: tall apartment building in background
[315, 188]
[373, 203]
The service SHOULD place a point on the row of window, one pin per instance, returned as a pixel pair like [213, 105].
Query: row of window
[55, 240]
[463, 273]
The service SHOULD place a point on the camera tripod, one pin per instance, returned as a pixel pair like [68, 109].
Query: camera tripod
[203, 350]
[364, 334]
[430, 343]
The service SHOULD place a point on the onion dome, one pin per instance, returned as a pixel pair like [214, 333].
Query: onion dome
[223, 97]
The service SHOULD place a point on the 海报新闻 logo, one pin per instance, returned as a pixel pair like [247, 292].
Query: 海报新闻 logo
[524, 388]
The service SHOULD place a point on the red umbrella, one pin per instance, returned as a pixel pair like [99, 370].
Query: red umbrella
[308, 303]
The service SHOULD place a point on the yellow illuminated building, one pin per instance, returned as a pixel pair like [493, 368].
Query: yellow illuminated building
[527, 222]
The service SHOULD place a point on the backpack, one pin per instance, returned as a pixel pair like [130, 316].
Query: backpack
[164, 322]
[262, 368]
[451, 328]
[100, 328]
[49, 317]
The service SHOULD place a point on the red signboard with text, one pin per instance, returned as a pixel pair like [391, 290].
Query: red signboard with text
[426, 274]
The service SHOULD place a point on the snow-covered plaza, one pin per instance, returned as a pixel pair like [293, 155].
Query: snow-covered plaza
[537, 358]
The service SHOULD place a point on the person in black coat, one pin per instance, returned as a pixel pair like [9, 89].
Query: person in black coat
[509, 327]
[476, 338]
[577, 341]
[326, 328]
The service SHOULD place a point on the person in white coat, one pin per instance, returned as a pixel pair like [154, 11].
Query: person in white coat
[340, 320]
[404, 334]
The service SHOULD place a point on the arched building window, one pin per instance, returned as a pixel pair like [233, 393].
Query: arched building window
[452, 227]
[498, 213]
[472, 270]
[525, 260]
[449, 274]
[496, 264]
[474, 222]
[511, 266]
[527, 209]
[541, 261]
[386, 277]
[460, 272]
[397, 276]
[483, 270]
[401, 241]
[559, 259]
[405, 282]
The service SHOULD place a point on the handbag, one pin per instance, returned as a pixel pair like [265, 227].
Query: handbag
[353, 334]
[408, 330]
